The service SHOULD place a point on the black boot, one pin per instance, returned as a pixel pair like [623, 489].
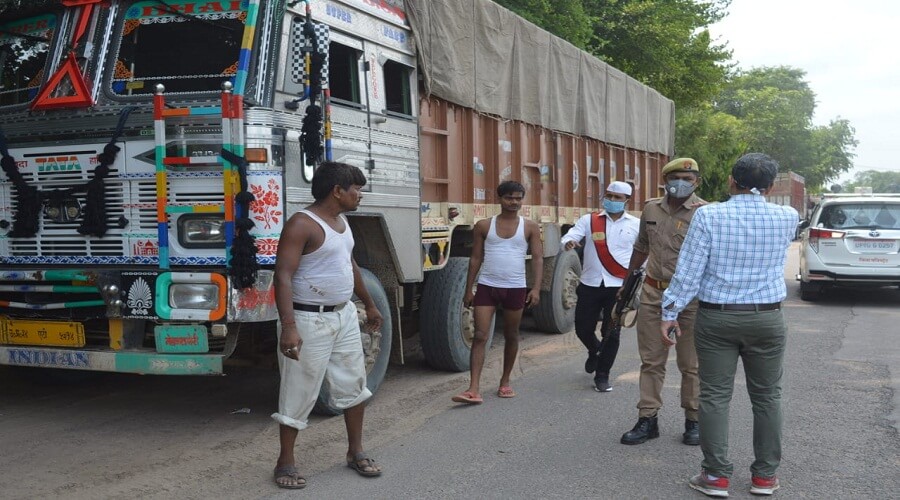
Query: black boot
[691, 434]
[590, 366]
[601, 382]
[646, 428]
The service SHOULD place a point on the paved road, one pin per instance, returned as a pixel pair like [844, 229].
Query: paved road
[559, 438]
[155, 437]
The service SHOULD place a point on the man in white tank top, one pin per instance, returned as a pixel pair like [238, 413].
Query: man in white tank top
[499, 250]
[319, 336]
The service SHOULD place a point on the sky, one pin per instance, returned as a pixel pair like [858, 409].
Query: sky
[850, 52]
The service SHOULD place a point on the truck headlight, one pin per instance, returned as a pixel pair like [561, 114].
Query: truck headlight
[194, 296]
[201, 230]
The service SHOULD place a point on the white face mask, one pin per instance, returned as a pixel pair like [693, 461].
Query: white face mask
[680, 188]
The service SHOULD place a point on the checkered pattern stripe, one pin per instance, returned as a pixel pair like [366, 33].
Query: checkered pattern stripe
[734, 253]
[323, 33]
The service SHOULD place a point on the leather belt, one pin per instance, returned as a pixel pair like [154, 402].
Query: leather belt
[659, 285]
[318, 309]
[741, 307]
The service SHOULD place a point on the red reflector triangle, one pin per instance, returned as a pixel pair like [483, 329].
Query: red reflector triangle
[66, 89]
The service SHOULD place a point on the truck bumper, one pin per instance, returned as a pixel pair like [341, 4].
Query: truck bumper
[145, 363]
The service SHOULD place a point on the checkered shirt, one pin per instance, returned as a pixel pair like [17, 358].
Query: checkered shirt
[734, 253]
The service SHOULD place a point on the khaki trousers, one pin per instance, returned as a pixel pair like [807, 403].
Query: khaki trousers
[655, 354]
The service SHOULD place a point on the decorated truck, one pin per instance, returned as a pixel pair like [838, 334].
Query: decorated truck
[152, 150]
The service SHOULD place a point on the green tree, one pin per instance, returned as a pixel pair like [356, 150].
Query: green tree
[880, 182]
[715, 140]
[566, 19]
[663, 43]
[776, 106]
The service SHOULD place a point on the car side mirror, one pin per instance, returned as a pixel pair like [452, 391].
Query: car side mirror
[804, 224]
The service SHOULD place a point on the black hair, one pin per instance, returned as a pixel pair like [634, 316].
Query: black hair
[754, 170]
[508, 187]
[331, 174]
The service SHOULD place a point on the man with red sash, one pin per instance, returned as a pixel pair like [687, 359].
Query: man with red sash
[609, 238]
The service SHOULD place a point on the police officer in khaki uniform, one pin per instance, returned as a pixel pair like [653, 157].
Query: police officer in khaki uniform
[664, 225]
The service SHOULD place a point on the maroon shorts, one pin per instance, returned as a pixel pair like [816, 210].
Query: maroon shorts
[510, 299]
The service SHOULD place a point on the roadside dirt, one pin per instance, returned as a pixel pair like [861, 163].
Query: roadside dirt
[116, 436]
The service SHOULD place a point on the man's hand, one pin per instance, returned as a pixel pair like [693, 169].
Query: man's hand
[469, 298]
[373, 319]
[572, 244]
[670, 331]
[533, 298]
[290, 342]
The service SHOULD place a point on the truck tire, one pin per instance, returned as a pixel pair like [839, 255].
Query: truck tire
[556, 311]
[447, 327]
[376, 346]
[810, 292]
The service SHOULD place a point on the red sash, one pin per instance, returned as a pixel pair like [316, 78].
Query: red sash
[598, 234]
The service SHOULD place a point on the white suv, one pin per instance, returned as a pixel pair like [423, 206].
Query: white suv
[850, 240]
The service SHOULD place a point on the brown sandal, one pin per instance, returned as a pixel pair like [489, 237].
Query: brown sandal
[289, 471]
[363, 465]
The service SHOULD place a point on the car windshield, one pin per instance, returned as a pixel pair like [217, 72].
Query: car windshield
[205, 35]
[24, 45]
[861, 216]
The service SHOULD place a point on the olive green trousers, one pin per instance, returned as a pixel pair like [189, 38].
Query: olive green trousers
[758, 339]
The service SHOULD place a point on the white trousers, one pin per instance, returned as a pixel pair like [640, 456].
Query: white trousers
[331, 359]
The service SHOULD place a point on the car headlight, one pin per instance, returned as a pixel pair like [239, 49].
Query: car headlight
[201, 230]
[194, 296]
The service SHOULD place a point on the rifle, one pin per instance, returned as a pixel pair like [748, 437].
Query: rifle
[625, 310]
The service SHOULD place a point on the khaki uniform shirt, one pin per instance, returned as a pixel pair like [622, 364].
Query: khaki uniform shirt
[662, 232]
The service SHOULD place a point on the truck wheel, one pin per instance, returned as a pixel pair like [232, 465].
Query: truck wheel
[376, 345]
[447, 327]
[810, 291]
[556, 311]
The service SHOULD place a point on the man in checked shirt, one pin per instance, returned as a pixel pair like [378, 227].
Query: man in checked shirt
[733, 261]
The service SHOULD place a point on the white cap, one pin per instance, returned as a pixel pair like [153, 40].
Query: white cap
[619, 187]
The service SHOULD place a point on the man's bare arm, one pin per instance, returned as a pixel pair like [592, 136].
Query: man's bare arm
[373, 315]
[537, 263]
[293, 241]
[479, 233]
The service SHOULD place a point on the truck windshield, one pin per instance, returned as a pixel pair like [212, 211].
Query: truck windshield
[188, 46]
[24, 45]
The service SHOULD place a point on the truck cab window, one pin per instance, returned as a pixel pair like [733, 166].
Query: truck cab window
[396, 88]
[24, 45]
[207, 43]
[343, 77]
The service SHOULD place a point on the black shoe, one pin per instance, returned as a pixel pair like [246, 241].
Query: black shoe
[601, 383]
[590, 366]
[646, 428]
[691, 434]
[602, 386]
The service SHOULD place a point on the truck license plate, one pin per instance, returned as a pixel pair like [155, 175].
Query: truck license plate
[46, 333]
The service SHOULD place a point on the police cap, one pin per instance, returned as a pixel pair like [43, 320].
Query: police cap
[681, 165]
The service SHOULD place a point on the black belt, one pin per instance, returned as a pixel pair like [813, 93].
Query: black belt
[318, 309]
[741, 307]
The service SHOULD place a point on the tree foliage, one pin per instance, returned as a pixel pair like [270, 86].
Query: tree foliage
[776, 107]
[662, 43]
[716, 141]
[566, 19]
[880, 182]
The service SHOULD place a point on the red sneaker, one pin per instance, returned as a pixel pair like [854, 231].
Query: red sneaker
[712, 487]
[764, 485]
